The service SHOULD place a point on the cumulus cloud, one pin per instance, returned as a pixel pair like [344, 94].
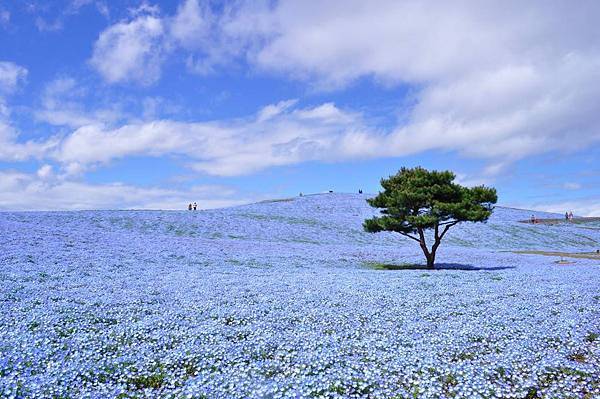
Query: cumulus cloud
[22, 191]
[191, 25]
[13, 150]
[11, 75]
[130, 50]
[471, 181]
[4, 17]
[495, 81]
[401, 41]
[211, 39]
[50, 17]
[62, 104]
[272, 110]
[59, 105]
[580, 207]
[278, 135]
[510, 113]
[45, 171]
[134, 49]
[500, 81]
[44, 25]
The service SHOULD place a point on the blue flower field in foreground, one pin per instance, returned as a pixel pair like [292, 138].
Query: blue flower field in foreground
[281, 300]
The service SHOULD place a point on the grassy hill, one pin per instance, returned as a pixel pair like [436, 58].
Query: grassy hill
[281, 299]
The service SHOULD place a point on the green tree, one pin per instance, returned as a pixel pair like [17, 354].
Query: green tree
[415, 200]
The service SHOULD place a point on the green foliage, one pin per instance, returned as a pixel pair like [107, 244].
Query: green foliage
[591, 337]
[388, 266]
[154, 381]
[418, 198]
[415, 199]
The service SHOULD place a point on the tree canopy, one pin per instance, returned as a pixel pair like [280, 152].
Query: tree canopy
[415, 200]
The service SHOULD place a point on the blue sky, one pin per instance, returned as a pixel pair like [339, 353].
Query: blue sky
[156, 104]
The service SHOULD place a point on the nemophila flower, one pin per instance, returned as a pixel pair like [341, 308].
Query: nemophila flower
[277, 300]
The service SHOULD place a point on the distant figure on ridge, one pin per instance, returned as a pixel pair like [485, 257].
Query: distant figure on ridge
[190, 207]
[360, 191]
[532, 219]
[195, 206]
[566, 215]
[570, 215]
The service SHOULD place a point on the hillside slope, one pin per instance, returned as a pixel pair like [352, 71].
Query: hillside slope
[280, 299]
[341, 215]
[320, 229]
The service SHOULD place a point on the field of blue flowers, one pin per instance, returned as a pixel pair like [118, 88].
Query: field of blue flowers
[280, 299]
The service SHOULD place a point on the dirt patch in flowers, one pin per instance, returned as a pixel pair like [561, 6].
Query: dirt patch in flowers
[581, 255]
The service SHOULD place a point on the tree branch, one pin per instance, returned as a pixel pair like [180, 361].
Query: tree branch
[423, 242]
[452, 222]
[409, 236]
[448, 225]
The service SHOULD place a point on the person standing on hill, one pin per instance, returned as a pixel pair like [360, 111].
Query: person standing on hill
[190, 207]
[566, 215]
[195, 206]
[570, 215]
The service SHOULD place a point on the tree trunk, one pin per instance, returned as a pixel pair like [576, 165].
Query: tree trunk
[431, 260]
[430, 256]
[437, 240]
[436, 243]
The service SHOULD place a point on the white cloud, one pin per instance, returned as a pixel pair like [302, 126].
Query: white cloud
[500, 81]
[580, 207]
[59, 105]
[278, 135]
[571, 186]
[471, 181]
[13, 150]
[205, 35]
[4, 17]
[510, 113]
[61, 12]
[11, 75]
[191, 26]
[21, 191]
[62, 104]
[45, 172]
[399, 41]
[44, 25]
[134, 50]
[103, 9]
[272, 110]
[144, 9]
[77, 4]
[130, 50]
[282, 134]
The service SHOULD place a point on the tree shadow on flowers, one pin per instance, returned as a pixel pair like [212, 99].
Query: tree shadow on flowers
[438, 266]
[460, 266]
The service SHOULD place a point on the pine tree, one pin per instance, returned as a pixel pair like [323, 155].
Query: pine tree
[415, 200]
